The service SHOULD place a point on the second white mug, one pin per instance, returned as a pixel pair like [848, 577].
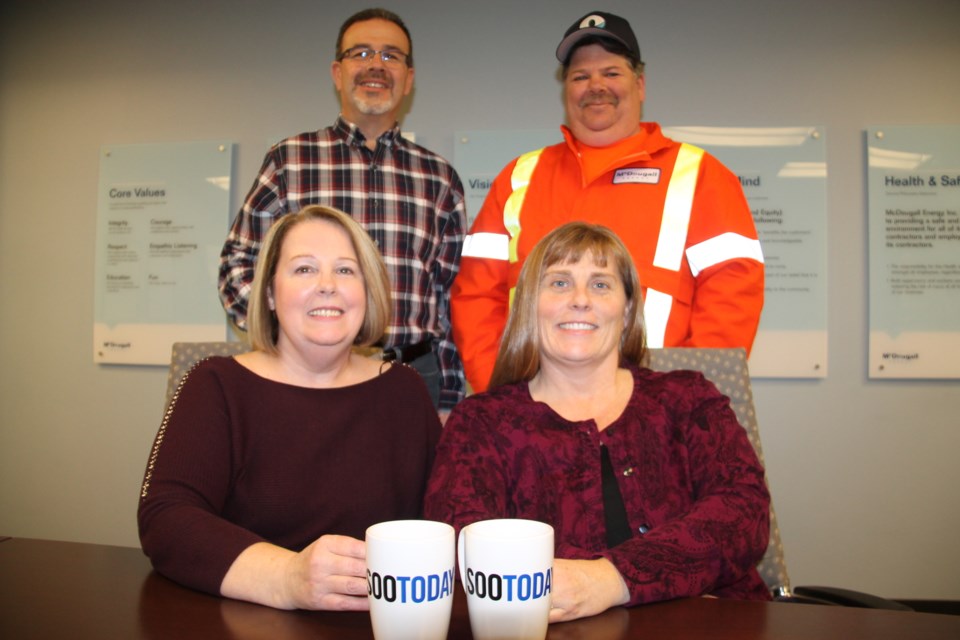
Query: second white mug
[506, 567]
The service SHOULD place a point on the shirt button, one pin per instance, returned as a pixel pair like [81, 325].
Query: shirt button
[628, 471]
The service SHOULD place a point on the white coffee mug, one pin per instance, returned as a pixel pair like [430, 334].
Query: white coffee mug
[410, 579]
[506, 567]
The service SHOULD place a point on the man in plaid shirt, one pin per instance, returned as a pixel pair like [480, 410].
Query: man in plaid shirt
[409, 199]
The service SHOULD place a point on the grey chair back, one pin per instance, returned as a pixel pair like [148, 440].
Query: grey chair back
[727, 369]
[185, 355]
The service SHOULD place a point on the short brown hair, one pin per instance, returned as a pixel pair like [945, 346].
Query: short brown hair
[374, 14]
[519, 356]
[263, 325]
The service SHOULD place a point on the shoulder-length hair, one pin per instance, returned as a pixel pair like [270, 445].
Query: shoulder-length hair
[519, 356]
[262, 323]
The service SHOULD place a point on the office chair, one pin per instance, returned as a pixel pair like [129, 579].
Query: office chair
[727, 369]
[184, 355]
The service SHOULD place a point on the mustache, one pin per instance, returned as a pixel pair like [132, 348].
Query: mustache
[595, 97]
[373, 74]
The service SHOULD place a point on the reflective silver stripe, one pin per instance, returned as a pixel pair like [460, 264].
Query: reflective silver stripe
[519, 181]
[676, 208]
[726, 246]
[656, 312]
[494, 246]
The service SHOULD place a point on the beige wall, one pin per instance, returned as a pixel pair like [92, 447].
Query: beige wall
[864, 473]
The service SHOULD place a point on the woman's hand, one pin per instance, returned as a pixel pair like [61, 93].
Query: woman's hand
[329, 574]
[585, 588]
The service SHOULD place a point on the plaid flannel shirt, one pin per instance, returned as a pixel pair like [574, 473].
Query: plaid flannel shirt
[409, 200]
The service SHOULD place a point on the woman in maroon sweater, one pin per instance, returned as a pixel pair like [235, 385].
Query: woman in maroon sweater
[268, 467]
[649, 481]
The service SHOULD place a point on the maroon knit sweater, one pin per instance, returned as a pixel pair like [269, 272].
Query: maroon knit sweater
[241, 459]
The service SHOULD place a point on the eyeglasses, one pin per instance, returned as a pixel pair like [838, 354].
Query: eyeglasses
[390, 57]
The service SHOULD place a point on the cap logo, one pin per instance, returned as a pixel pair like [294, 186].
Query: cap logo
[594, 21]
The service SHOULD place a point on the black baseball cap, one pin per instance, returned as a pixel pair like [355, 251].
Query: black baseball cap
[598, 23]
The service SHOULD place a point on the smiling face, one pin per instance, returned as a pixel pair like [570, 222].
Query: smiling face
[318, 290]
[602, 95]
[371, 89]
[581, 310]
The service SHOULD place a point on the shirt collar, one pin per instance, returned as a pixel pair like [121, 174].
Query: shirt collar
[595, 162]
[352, 135]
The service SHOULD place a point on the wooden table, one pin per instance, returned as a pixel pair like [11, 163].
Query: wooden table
[70, 590]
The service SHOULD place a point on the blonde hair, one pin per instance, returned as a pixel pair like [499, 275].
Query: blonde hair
[519, 356]
[262, 323]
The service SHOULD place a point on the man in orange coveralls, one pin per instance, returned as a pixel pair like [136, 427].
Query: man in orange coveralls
[681, 213]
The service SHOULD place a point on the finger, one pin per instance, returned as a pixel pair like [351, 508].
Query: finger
[337, 555]
[345, 546]
[339, 593]
[346, 567]
[340, 602]
[348, 585]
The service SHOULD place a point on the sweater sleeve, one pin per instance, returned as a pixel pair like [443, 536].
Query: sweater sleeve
[186, 486]
[713, 546]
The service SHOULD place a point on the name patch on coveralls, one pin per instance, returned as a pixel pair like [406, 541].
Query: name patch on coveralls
[636, 176]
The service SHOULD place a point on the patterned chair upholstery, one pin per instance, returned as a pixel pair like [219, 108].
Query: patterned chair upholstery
[727, 369]
[185, 355]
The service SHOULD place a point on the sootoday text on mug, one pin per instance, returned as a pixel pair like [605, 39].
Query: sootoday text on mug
[506, 567]
[410, 579]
